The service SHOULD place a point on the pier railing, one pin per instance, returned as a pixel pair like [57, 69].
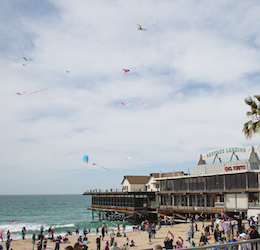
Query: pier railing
[255, 245]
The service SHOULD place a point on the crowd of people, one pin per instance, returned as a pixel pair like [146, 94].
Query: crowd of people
[218, 230]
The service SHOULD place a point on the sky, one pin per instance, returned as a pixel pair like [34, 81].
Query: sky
[190, 72]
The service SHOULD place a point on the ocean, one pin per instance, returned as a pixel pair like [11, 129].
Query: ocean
[62, 212]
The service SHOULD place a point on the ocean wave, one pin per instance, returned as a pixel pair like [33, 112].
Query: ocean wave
[61, 226]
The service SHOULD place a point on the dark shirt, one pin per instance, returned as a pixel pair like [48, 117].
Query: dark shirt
[168, 244]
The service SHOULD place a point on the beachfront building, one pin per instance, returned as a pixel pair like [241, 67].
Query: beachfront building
[133, 183]
[231, 186]
[152, 185]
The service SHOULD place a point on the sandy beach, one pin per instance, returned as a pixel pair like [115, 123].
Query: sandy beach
[140, 238]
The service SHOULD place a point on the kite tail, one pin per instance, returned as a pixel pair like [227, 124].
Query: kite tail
[141, 65]
[152, 25]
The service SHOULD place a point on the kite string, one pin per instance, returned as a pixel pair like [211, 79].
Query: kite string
[80, 151]
[76, 134]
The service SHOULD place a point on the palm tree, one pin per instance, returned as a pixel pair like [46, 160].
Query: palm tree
[252, 126]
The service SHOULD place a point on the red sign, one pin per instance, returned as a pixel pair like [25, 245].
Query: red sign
[242, 167]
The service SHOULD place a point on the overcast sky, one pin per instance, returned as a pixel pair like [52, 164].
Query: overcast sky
[194, 69]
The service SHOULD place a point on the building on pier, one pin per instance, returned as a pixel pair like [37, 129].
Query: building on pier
[231, 186]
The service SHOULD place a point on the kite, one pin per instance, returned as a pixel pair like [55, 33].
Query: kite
[85, 158]
[68, 71]
[133, 104]
[226, 217]
[75, 134]
[140, 28]
[101, 166]
[128, 159]
[144, 29]
[127, 70]
[125, 104]
[80, 151]
[32, 92]
[27, 60]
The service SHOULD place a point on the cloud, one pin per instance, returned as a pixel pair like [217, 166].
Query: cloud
[199, 63]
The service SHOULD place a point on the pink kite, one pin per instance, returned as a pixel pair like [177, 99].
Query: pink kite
[32, 92]
[127, 70]
[133, 104]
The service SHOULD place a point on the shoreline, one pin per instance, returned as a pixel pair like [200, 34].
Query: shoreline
[140, 238]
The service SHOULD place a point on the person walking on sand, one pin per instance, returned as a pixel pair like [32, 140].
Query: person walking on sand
[189, 234]
[168, 242]
[103, 232]
[98, 241]
[33, 241]
[112, 237]
[23, 232]
[149, 230]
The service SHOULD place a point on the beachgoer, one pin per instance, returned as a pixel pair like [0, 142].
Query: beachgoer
[77, 246]
[112, 237]
[1, 235]
[8, 234]
[153, 227]
[33, 241]
[149, 230]
[103, 232]
[97, 230]
[203, 239]
[132, 244]
[39, 245]
[52, 233]
[168, 242]
[124, 227]
[239, 224]
[179, 243]
[45, 244]
[79, 239]
[107, 246]
[232, 240]
[7, 244]
[189, 234]
[42, 228]
[244, 246]
[115, 246]
[157, 247]
[253, 233]
[77, 230]
[98, 241]
[23, 232]
[193, 244]
[57, 245]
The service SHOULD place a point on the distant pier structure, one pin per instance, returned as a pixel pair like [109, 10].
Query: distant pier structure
[132, 206]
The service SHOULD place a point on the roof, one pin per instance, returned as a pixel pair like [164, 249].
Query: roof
[136, 179]
[169, 174]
